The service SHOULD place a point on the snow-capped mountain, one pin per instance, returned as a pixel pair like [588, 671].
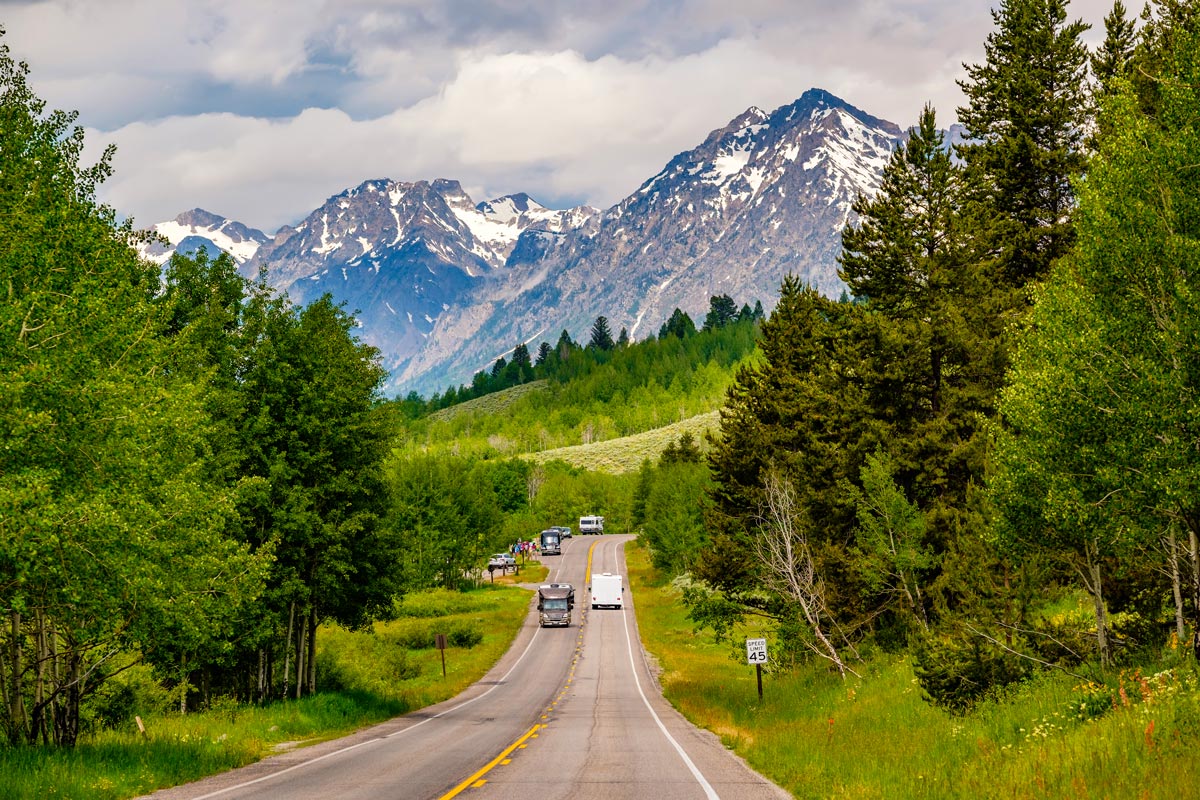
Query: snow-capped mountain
[199, 228]
[764, 196]
[400, 254]
[444, 286]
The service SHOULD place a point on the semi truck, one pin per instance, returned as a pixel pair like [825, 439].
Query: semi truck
[607, 590]
[555, 601]
[551, 542]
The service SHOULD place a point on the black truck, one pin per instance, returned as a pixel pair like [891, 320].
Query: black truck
[555, 601]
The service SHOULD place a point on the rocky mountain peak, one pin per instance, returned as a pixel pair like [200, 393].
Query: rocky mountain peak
[443, 285]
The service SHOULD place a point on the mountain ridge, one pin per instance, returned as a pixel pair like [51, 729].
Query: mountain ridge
[443, 285]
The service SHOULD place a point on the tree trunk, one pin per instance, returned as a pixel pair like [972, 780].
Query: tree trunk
[1176, 584]
[312, 651]
[1092, 548]
[1194, 557]
[287, 657]
[16, 709]
[183, 685]
[261, 691]
[301, 649]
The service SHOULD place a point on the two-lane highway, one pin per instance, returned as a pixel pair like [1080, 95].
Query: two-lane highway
[566, 713]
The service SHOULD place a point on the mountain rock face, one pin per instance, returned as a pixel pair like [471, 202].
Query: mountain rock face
[444, 286]
[400, 254]
[764, 196]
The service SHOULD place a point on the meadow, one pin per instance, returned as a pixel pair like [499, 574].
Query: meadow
[1134, 735]
[365, 677]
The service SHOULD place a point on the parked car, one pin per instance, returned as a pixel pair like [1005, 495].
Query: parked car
[502, 561]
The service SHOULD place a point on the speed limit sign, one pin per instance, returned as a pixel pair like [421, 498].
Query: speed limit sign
[756, 651]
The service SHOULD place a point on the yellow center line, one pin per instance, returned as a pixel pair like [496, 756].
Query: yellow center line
[475, 780]
[508, 750]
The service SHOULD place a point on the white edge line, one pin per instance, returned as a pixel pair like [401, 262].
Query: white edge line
[274, 775]
[709, 792]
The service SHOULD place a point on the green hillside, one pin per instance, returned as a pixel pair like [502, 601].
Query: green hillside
[627, 453]
[605, 410]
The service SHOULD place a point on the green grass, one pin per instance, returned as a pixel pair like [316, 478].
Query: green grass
[491, 404]
[875, 737]
[626, 454]
[379, 674]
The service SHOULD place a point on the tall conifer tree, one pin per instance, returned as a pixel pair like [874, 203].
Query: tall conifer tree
[1026, 119]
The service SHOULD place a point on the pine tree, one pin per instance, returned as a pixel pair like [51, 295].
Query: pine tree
[721, 311]
[1027, 121]
[601, 335]
[678, 324]
[565, 345]
[1111, 59]
[543, 353]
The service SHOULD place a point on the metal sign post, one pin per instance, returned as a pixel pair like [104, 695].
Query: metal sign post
[756, 654]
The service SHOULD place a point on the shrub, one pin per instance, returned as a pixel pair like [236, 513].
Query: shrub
[955, 672]
[134, 692]
[458, 634]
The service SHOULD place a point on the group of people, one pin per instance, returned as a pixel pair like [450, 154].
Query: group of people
[529, 548]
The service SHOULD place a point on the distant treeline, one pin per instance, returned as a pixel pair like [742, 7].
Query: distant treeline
[567, 359]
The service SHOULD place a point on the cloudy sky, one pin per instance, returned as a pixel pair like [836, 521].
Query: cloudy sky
[259, 110]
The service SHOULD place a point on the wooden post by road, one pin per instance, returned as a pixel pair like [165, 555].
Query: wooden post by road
[441, 646]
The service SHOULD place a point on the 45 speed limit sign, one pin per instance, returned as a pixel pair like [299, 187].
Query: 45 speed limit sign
[756, 651]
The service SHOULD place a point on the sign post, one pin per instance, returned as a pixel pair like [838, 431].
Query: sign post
[440, 639]
[756, 654]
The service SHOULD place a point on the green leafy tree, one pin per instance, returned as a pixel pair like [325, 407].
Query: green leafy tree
[445, 515]
[1097, 454]
[111, 529]
[891, 537]
[316, 441]
[674, 515]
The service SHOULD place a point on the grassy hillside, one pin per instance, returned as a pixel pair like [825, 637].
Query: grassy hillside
[616, 409]
[627, 453]
[494, 403]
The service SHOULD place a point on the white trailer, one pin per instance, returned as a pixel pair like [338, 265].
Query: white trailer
[607, 590]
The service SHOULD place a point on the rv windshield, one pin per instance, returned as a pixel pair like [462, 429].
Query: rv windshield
[554, 604]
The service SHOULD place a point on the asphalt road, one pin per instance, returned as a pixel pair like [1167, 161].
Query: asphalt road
[566, 713]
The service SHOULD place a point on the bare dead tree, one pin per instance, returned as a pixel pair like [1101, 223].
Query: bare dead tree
[782, 548]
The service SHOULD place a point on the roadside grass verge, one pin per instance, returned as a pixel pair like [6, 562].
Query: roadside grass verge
[818, 736]
[370, 676]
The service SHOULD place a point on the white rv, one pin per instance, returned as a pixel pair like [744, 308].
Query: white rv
[607, 590]
[591, 524]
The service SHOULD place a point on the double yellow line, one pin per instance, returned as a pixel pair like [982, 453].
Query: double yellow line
[476, 779]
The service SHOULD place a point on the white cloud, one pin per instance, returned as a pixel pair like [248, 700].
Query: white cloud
[262, 110]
